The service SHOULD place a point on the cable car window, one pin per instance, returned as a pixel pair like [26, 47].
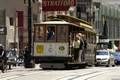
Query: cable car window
[62, 32]
[39, 33]
[50, 32]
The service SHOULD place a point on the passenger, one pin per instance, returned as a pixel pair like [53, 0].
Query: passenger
[84, 47]
[50, 34]
[76, 44]
[81, 46]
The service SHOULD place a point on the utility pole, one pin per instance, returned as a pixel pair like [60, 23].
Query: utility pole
[28, 51]
[29, 26]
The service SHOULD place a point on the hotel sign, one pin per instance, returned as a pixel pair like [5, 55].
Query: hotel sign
[57, 5]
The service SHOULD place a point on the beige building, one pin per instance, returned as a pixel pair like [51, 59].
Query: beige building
[16, 21]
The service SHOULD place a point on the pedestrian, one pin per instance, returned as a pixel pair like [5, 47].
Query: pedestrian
[84, 47]
[27, 57]
[2, 52]
[21, 55]
[3, 58]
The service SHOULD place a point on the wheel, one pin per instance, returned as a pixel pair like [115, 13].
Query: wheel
[113, 65]
[109, 64]
[96, 65]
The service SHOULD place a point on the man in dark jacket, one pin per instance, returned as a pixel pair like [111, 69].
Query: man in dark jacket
[3, 57]
[2, 52]
[83, 47]
[27, 58]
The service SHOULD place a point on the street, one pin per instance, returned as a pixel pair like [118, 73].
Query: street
[90, 73]
[60, 34]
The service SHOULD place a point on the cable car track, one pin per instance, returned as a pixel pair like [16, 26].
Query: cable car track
[86, 76]
[75, 75]
[71, 77]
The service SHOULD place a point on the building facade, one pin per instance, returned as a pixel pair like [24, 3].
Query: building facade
[107, 21]
[84, 10]
[15, 22]
[2, 27]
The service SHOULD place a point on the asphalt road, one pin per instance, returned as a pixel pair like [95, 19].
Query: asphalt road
[90, 73]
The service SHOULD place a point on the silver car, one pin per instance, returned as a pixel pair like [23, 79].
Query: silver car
[104, 57]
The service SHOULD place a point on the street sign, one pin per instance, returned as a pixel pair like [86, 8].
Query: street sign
[3, 31]
[104, 40]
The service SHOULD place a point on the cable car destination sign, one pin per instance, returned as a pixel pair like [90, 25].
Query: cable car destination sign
[57, 5]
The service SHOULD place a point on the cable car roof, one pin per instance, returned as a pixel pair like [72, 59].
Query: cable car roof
[82, 25]
[69, 19]
[57, 22]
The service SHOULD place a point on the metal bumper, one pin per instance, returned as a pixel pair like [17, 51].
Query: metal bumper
[51, 59]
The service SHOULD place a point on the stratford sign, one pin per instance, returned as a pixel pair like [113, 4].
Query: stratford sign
[57, 5]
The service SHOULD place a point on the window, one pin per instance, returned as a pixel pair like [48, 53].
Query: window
[71, 13]
[50, 33]
[102, 53]
[11, 21]
[39, 33]
[62, 33]
[33, 1]
[35, 18]
[24, 1]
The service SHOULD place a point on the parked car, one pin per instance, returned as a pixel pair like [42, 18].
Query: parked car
[104, 57]
[117, 57]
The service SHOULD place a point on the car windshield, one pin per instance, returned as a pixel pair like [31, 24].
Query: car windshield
[102, 53]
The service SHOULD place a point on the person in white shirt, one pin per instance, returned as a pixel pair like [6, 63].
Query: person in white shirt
[76, 44]
[81, 47]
